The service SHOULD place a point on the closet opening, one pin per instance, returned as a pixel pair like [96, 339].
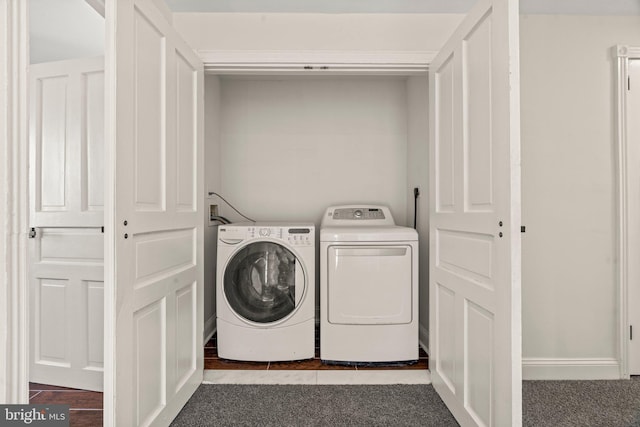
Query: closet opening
[283, 146]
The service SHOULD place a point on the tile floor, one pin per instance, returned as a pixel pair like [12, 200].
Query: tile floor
[312, 371]
[86, 406]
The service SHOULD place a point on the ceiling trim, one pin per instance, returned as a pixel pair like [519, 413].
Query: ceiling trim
[544, 7]
[315, 62]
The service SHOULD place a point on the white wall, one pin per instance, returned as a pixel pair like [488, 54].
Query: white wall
[291, 147]
[570, 288]
[212, 183]
[290, 31]
[64, 29]
[418, 176]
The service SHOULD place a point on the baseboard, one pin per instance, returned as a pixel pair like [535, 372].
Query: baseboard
[423, 338]
[570, 369]
[209, 328]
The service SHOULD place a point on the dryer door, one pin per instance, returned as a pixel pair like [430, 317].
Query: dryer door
[370, 285]
[262, 282]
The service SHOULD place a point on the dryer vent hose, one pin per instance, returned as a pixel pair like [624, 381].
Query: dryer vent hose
[220, 219]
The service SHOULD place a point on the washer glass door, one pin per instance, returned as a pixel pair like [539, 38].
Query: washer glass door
[259, 282]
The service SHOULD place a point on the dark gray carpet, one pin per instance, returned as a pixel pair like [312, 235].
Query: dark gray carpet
[581, 403]
[315, 405]
[545, 403]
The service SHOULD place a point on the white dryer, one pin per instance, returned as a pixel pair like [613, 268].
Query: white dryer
[265, 291]
[368, 286]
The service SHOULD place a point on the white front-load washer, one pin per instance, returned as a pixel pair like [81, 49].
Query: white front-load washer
[368, 286]
[265, 291]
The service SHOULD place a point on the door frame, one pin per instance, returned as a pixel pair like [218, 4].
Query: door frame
[315, 63]
[626, 218]
[14, 298]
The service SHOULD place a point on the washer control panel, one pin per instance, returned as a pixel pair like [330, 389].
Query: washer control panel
[273, 232]
[301, 236]
[358, 213]
[297, 236]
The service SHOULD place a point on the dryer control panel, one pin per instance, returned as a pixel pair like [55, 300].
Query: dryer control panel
[365, 215]
[358, 213]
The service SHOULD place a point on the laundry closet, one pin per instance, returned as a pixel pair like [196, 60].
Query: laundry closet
[311, 111]
[284, 142]
[284, 147]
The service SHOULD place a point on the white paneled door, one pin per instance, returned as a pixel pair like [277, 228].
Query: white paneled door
[475, 331]
[66, 214]
[155, 106]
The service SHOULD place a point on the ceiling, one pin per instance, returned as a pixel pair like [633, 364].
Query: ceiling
[62, 29]
[573, 7]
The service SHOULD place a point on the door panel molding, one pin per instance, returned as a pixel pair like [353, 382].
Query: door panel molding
[67, 143]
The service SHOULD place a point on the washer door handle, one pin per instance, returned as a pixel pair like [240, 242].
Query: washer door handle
[232, 241]
[300, 283]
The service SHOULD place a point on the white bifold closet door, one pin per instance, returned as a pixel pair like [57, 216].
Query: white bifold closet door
[155, 214]
[475, 330]
[66, 214]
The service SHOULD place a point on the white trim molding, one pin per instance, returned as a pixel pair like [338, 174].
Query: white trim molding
[570, 369]
[625, 218]
[624, 51]
[315, 62]
[14, 328]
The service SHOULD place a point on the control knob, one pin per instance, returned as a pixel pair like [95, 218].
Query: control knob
[264, 232]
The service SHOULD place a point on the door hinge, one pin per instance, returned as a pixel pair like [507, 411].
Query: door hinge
[630, 332]
[32, 233]
[629, 83]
